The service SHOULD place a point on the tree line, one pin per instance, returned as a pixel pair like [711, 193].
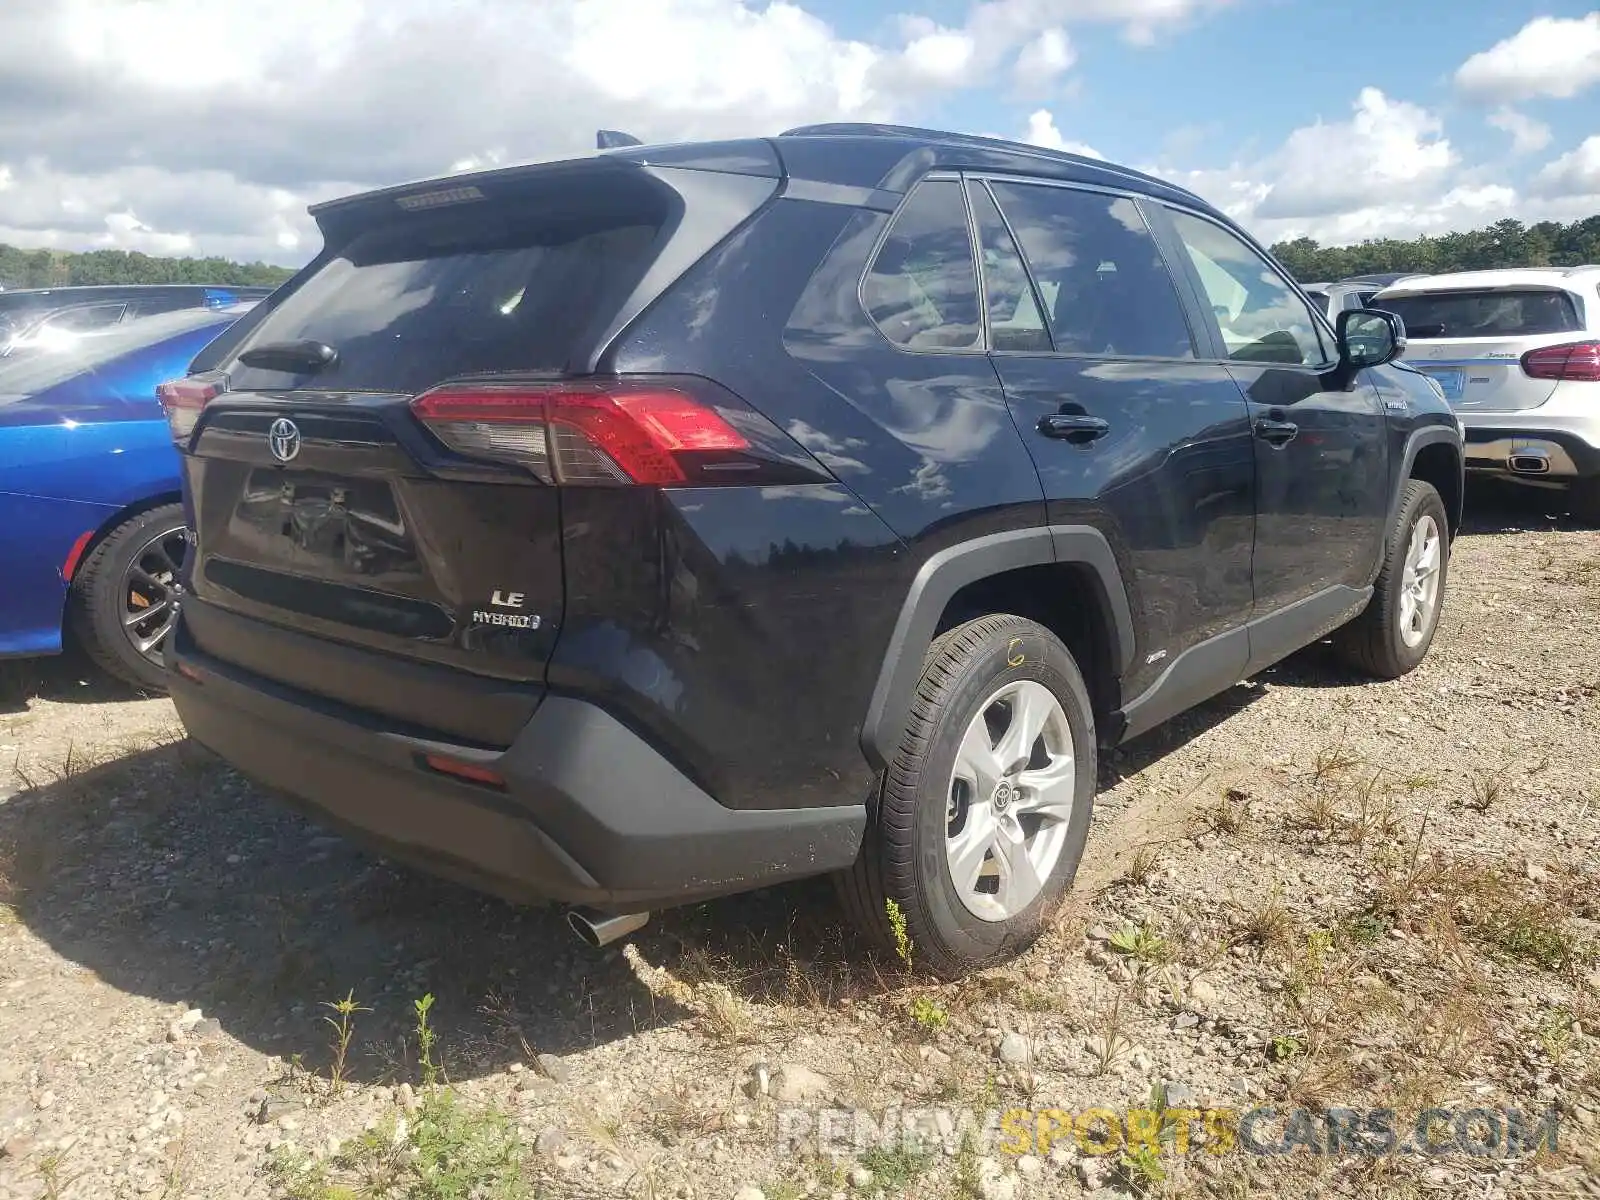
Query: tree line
[1506, 243]
[65, 268]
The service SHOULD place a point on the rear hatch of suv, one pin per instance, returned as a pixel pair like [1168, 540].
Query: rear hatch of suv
[374, 464]
[1473, 341]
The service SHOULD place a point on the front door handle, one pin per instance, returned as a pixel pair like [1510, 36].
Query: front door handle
[1074, 427]
[1278, 433]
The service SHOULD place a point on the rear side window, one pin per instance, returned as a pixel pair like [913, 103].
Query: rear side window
[1106, 290]
[922, 288]
[1486, 314]
[1015, 322]
[480, 288]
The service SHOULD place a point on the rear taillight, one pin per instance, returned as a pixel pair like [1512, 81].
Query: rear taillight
[1575, 361]
[591, 432]
[183, 399]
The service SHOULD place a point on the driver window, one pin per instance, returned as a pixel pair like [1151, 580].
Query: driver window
[1260, 316]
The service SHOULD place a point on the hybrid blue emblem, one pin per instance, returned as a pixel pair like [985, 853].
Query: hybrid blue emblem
[283, 437]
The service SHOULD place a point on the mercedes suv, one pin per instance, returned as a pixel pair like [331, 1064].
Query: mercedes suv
[675, 521]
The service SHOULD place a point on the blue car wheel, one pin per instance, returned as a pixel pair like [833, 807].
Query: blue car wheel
[126, 594]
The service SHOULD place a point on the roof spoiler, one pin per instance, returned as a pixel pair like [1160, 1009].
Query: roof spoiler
[611, 139]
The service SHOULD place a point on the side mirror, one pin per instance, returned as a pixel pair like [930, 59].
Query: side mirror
[1369, 338]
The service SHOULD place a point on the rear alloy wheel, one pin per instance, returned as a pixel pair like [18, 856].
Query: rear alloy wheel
[985, 808]
[1392, 635]
[126, 593]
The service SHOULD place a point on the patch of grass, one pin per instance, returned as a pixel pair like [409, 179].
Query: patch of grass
[450, 1151]
[1230, 813]
[722, 1014]
[1332, 761]
[1486, 792]
[344, 1027]
[1140, 1169]
[1141, 942]
[929, 1013]
[897, 926]
[425, 1039]
[1533, 933]
[894, 1169]
[968, 1182]
[1110, 1037]
[1284, 1047]
[1143, 865]
[1316, 810]
[1365, 928]
[1269, 923]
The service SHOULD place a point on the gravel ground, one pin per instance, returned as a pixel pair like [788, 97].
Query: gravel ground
[1310, 891]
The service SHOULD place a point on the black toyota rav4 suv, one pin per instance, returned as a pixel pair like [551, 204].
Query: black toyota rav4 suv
[671, 522]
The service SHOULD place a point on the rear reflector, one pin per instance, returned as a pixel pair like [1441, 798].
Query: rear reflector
[1575, 361]
[583, 433]
[75, 555]
[472, 772]
[183, 399]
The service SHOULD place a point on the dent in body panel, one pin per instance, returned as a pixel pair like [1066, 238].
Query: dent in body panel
[739, 628]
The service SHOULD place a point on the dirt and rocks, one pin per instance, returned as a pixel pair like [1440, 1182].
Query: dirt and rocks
[1311, 892]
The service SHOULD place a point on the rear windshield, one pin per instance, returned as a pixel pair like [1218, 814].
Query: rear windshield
[1485, 314]
[1319, 298]
[29, 370]
[477, 288]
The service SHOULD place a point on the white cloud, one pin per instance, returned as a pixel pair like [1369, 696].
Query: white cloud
[1528, 136]
[1044, 60]
[1389, 150]
[1576, 173]
[1387, 172]
[1549, 56]
[1042, 131]
[179, 110]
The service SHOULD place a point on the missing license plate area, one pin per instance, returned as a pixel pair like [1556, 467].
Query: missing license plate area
[354, 526]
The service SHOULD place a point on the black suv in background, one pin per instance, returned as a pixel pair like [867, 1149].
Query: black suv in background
[679, 520]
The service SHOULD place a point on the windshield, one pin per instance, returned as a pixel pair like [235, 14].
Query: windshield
[32, 369]
[1446, 315]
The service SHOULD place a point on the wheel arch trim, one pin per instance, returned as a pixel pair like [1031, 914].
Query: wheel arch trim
[946, 573]
[1429, 435]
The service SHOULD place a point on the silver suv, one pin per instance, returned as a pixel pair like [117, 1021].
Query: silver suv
[1517, 355]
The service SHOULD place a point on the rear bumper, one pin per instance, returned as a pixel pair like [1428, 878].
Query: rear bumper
[1564, 432]
[590, 812]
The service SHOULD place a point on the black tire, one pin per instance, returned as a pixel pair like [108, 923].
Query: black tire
[99, 602]
[903, 856]
[1373, 642]
[1583, 500]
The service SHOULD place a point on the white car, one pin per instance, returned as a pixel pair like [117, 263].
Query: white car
[1517, 354]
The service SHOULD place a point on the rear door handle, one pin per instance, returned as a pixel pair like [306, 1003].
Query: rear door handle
[1071, 427]
[1278, 433]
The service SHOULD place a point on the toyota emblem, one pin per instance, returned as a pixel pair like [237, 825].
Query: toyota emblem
[283, 438]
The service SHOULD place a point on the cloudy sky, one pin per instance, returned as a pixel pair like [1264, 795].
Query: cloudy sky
[207, 126]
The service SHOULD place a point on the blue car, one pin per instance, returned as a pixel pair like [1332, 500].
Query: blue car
[91, 529]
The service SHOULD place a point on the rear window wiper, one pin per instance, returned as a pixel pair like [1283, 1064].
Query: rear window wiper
[302, 357]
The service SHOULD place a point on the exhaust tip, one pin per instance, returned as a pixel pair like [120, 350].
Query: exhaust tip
[1528, 464]
[601, 929]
